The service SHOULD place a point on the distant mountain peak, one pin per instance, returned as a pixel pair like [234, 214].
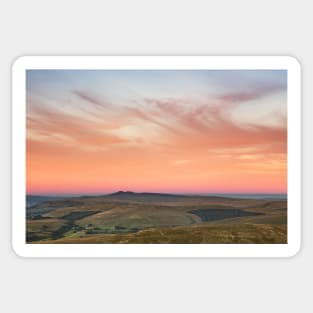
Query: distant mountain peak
[143, 194]
[121, 192]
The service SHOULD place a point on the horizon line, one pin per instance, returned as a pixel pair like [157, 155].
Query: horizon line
[156, 192]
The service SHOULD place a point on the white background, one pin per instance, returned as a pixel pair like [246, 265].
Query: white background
[160, 27]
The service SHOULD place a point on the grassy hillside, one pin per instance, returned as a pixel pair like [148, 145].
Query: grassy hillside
[157, 218]
[200, 234]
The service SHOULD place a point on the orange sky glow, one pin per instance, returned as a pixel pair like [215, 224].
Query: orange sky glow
[84, 138]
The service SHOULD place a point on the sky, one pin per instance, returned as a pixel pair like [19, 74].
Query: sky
[180, 131]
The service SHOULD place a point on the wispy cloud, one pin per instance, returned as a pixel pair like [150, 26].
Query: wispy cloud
[177, 141]
[45, 124]
[90, 98]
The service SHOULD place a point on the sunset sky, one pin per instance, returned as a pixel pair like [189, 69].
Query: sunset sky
[193, 131]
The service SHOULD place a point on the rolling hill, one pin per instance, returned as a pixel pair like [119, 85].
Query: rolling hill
[126, 217]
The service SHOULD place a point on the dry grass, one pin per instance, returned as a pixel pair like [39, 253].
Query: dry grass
[158, 219]
[199, 234]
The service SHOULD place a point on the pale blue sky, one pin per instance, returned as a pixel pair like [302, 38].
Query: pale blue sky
[258, 95]
[166, 83]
